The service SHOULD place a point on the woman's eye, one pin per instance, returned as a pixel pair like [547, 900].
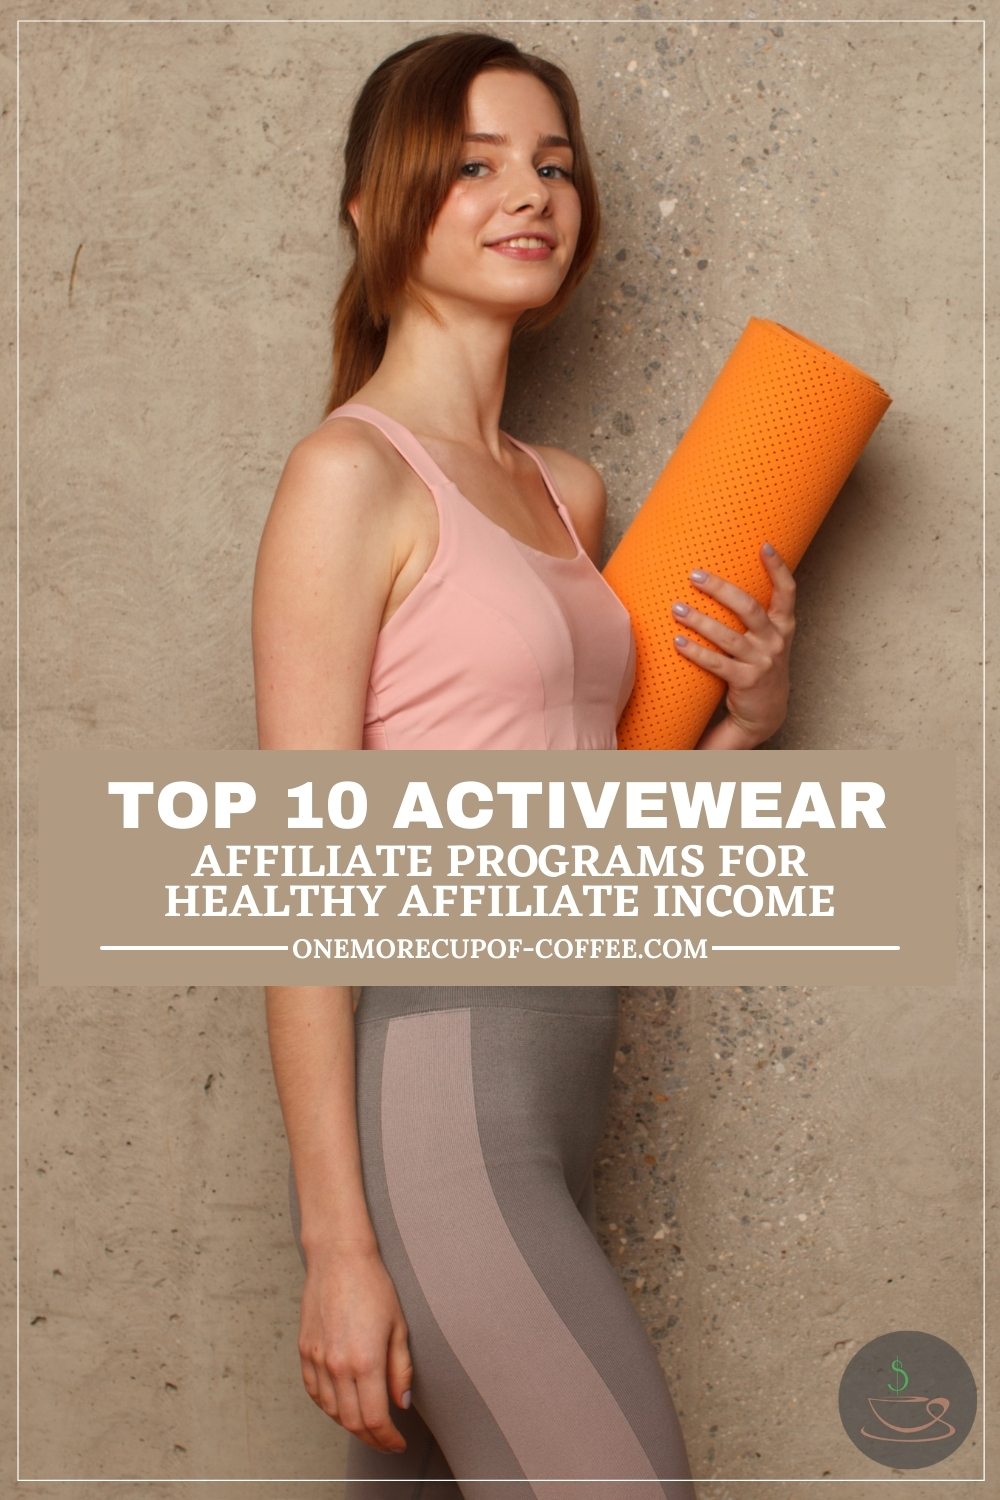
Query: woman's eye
[549, 167]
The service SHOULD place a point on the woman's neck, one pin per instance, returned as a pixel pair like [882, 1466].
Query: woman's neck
[444, 380]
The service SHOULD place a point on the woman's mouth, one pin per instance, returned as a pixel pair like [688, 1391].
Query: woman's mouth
[524, 247]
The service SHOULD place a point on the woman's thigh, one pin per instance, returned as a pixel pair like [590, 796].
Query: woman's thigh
[479, 1112]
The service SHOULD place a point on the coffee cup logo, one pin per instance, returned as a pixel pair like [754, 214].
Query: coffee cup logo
[911, 1430]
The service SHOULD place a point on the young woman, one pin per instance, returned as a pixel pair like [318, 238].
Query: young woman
[425, 580]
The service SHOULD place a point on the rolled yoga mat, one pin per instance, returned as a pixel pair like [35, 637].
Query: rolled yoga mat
[763, 460]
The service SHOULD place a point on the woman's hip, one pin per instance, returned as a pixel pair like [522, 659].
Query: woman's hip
[512, 1081]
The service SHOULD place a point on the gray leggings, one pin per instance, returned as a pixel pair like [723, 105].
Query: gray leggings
[479, 1113]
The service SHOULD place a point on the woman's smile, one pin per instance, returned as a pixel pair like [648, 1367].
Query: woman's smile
[523, 249]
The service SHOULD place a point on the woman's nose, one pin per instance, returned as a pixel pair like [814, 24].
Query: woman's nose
[525, 186]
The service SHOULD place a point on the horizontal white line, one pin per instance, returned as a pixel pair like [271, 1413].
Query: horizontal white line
[805, 947]
[697, 1479]
[193, 948]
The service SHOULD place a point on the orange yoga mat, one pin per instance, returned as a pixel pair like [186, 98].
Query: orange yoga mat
[763, 460]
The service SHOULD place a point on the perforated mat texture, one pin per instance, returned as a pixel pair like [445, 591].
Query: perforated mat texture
[763, 459]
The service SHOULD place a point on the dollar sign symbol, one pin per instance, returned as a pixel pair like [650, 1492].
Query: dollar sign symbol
[898, 1370]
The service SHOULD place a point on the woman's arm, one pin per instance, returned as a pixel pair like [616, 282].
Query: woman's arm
[324, 570]
[311, 1037]
[325, 566]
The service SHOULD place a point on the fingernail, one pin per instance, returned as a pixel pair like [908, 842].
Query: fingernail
[407, 1398]
[698, 575]
[769, 549]
[680, 609]
[680, 640]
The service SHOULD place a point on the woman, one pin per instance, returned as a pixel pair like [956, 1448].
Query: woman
[427, 581]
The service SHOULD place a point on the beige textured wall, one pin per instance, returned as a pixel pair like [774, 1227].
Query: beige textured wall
[788, 1172]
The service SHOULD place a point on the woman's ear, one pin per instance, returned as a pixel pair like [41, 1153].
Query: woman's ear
[354, 209]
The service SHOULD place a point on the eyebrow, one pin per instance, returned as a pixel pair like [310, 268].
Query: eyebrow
[502, 140]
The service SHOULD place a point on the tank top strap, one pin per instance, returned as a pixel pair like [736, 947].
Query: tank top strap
[400, 437]
[550, 483]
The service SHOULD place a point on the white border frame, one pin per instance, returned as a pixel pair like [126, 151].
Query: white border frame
[921, 1475]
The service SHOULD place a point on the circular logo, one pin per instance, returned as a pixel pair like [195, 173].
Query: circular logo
[907, 1399]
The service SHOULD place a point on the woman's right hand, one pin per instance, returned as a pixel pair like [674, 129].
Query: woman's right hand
[354, 1343]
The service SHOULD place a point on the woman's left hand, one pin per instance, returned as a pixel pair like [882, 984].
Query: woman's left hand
[754, 663]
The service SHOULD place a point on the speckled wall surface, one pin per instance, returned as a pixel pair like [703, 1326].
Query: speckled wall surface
[788, 1173]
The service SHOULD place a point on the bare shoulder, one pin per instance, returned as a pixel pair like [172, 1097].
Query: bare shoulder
[583, 493]
[340, 509]
[327, 550]
[340, 470]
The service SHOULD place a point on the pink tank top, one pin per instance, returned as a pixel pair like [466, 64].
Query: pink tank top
[498, 646]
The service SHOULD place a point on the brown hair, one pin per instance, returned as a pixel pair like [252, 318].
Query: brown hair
[402, 154]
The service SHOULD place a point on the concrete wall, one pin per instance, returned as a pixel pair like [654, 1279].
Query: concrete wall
[788, 1172]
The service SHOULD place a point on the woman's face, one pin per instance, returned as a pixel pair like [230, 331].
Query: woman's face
[518, 183]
